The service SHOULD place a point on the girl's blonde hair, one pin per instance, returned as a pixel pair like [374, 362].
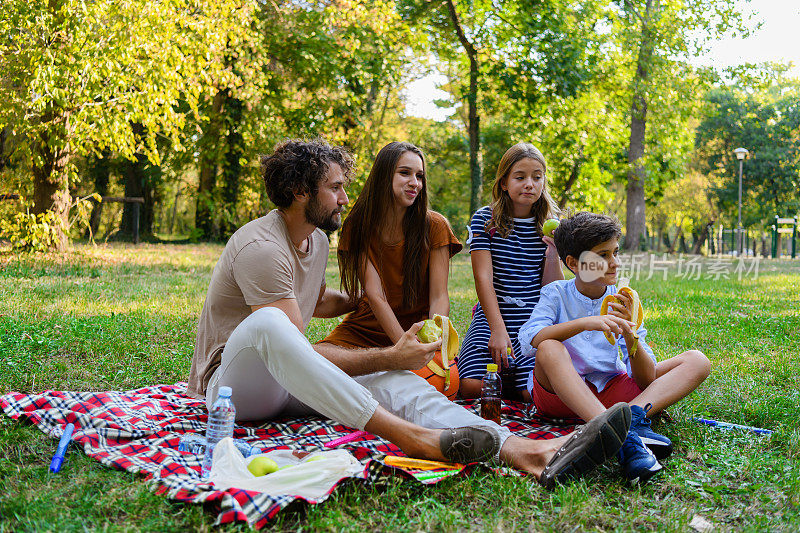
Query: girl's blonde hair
[502, 219]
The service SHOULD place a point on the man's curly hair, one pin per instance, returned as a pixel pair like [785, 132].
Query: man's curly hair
[298, 167]
[583, 231]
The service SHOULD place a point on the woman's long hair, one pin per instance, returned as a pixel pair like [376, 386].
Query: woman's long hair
[502, 219]
[368, 216]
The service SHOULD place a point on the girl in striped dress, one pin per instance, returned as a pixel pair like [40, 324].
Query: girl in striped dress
[511, 260]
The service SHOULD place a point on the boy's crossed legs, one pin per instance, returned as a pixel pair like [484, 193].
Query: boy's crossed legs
[675, 378]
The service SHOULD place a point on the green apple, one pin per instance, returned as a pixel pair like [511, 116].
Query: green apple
[429, 332]
[261, 466]
[549, 226]
[315, 458]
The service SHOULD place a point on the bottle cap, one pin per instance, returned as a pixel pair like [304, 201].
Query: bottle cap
[491, 367]
[225, 392]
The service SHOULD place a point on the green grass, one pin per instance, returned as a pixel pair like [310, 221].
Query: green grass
[120, 317]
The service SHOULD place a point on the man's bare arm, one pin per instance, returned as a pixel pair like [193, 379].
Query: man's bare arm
[332, 303]
[407, 354]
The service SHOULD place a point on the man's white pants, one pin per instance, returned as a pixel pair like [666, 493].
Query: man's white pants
[274, 371]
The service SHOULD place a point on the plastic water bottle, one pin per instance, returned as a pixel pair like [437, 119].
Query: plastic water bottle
[220, 425]
[491, 387]
[196, 444]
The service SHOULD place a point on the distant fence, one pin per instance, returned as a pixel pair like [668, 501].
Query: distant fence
[724, 241]
[776, 241]
[784, 227]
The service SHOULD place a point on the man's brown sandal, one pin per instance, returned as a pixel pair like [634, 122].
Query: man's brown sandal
[471, 444]
[589, 446]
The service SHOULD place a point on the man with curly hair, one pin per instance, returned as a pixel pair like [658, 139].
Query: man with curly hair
[270, 281]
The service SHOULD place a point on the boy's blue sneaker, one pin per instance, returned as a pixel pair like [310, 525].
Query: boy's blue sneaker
[638, 462]
[660, 445]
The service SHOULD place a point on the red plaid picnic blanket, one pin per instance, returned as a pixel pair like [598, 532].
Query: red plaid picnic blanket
[139, 431]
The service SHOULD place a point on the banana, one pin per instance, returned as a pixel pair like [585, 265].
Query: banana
[637, 313]
[450, 343]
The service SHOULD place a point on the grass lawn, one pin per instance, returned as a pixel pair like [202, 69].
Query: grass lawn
[118, 317]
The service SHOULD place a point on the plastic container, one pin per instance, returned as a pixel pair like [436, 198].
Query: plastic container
[196, 444]
[491, 389]
[220, 425]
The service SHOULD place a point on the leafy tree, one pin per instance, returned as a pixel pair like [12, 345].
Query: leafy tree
[767, 123]
[506, 53]
[657, 37]
[76, 76]
[333, 69]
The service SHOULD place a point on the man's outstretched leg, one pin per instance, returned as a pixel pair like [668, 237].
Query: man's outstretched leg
[273, 370]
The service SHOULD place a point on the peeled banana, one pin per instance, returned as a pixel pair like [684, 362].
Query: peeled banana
[450, 343]
[637, 313]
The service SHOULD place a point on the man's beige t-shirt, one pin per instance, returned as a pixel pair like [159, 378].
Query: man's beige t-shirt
[259, 265]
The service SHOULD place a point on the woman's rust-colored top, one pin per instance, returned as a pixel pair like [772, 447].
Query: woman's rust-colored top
[360, 329]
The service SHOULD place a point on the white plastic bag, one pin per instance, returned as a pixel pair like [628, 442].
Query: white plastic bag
[311, 480]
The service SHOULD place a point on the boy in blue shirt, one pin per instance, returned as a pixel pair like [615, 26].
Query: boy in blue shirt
[577, 371]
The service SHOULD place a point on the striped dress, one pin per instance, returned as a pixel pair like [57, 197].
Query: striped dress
[517, 264]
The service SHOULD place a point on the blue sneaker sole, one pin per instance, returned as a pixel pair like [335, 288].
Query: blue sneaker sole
[645, 475]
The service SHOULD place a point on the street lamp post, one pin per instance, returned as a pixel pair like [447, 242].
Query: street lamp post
[741, 154]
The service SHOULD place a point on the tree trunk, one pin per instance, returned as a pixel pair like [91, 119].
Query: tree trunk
[137, 184]
[50, 183]
[100, 171]
[231, 166]
[678, 233]
[683, 248]
[152, 196]
[665, 240]
[635, 206]
[133, 172]
[5, 152]
[473, 120]
[209, 155]
[573, 177]
[698, 244]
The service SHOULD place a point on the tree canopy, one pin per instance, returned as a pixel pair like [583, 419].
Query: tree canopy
[172, 101]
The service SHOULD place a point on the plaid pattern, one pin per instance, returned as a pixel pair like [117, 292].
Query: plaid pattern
[139, 431]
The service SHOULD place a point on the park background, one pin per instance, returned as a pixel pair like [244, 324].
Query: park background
[172, 101]
[633, 103]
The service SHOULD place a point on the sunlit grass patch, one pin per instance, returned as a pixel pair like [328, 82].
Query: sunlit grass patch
[122, 317]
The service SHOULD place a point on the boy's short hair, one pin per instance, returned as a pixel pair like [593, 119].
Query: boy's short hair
[298, 167]
[583, 231]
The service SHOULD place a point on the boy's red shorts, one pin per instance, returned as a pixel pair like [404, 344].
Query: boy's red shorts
[621, 388]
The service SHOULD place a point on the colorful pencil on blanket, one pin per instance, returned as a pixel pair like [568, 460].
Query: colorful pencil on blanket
[344, 440]
[58, 458]
[419, 464]
[425, 476]
[728, 425]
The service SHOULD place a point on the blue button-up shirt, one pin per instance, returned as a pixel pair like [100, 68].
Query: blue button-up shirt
[594, 358]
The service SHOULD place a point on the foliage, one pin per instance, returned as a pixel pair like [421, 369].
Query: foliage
[654, 41]
[99, 66]
[79, 77]
[29, 232]
[181, 97]
[767, 123]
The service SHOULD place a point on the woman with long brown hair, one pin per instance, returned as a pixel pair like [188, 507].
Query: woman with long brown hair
[511, 260]
[394, 253]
